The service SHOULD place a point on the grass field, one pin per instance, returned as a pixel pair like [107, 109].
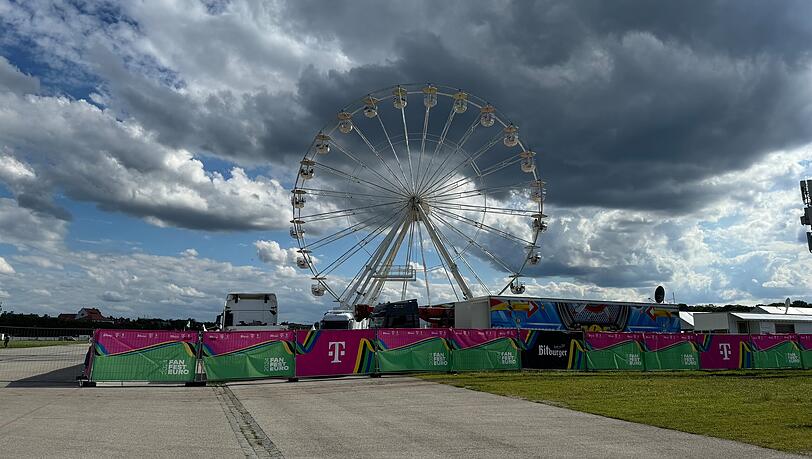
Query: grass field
[767, 408]
[38, 343]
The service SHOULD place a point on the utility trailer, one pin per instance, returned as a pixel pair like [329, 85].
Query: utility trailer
[249, 312]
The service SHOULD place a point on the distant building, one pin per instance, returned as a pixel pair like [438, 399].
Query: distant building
[686, 320]
[91, 314]
[783, 310]
[752, 322]
[66, 316]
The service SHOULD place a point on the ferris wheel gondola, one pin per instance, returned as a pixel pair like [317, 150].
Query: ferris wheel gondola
[447, 204]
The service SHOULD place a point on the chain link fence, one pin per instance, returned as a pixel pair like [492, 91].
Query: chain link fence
[36, 355]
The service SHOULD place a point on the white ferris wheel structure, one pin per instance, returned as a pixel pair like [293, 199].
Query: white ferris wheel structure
[417, 190]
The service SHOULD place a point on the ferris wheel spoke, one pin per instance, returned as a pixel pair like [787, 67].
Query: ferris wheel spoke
[445, 269]
[458, 148]
[394, 152]
[482, 226]
[466, 292]
[471, 160]
[363, 289]
[365, 166]
[461, 258]
[408, 148]
[487, 252]
[477, 192]
[357, 247]
[422, 146]
[345, 195]
[483, 173]
[338, 235]
[378, 155]
[346, 212]
[486, 209]
[437, 147]
[352, 178]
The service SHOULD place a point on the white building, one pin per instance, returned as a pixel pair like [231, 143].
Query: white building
[753, 322]
[686, 320]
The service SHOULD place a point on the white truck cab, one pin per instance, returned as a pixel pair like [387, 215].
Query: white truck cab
[341, 319]
[249, 311]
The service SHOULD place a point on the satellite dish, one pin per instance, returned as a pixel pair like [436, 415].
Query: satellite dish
[659, 294]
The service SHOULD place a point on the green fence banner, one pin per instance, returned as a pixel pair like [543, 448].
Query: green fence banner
[140, 355]
[670, 351]
[484, 350]
[404, 350]
[249, 355]
[776, 351]
[614, 351]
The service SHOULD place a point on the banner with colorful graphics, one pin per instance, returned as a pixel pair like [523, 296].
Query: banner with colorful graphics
[412, 349]
[613, 351]
[249, 355]
[670, 351]
[548, 314]
[805, 343]
[483, 350]
[552, 349]
[724, 352]
[143, 355]
[334, 352]
[776, 351]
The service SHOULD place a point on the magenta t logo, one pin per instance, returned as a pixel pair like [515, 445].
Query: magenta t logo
[724, 350]
[336, 350]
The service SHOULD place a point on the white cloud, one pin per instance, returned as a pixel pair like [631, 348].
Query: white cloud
[5, 268]
[189, 253]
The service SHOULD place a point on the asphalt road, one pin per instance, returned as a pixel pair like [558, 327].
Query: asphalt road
[349, 417]
[408, 417]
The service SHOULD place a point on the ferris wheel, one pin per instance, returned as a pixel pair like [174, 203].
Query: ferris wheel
[420, 191]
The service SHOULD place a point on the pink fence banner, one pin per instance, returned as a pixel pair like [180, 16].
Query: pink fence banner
[602, 340]
[119, 341]
[724, 352]
[334, 352]
[805, 341]
[468, 337]
[658, 341]
[397, 338]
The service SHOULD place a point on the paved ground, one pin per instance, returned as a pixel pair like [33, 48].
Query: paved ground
[351, 417]
[45, 364]
[407, 417]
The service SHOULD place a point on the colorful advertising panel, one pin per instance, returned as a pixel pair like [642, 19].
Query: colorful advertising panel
[249, 355]
[805, 343]
[542, 314]
[334, 352]
[412, 349]
[776, 351]
[613, 351]
[549, 349]
[670, 351]
[483, 350]
[143, 355]
[724, 352]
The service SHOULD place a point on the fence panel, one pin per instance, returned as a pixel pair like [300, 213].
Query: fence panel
[421, 349]
[42, 355]
[724, 352]
[614, 351]
[249, 355]
[143, 355]
[805, 343]
[776, 351]
[552, 349]
[482, 350]
[670, 351]
[334, 352]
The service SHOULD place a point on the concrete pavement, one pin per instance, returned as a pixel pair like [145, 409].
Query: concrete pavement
[408, 417]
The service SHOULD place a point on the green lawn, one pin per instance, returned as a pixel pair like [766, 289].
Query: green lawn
[38, 343]
[767, 408]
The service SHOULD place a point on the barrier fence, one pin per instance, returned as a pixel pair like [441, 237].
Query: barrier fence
[159, 356]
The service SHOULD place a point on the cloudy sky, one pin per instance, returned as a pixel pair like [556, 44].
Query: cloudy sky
[148, 148]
